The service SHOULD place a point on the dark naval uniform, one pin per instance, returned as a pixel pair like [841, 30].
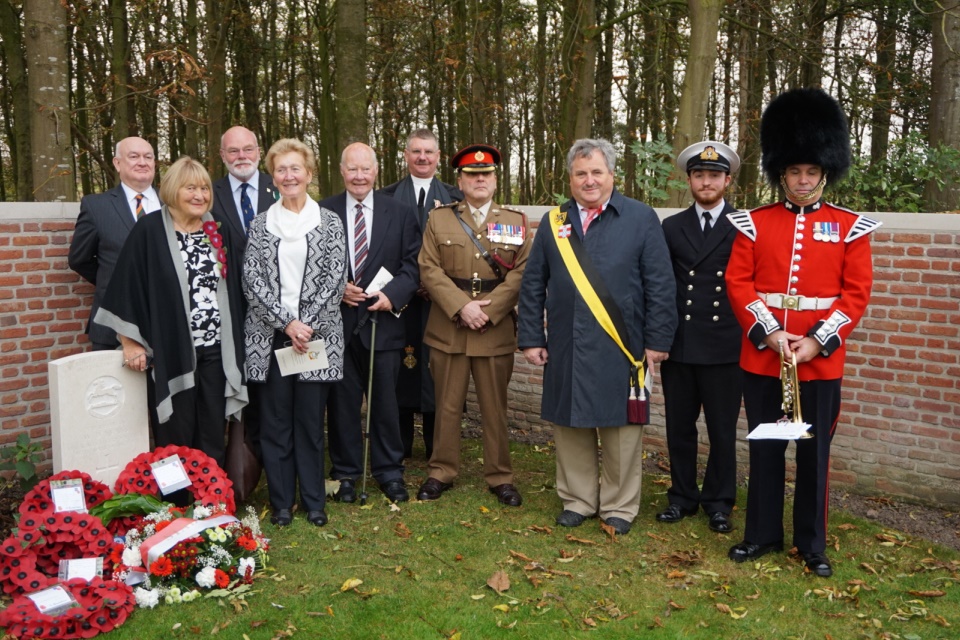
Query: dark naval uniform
[455, 272]
[806, 270]
[703, 368]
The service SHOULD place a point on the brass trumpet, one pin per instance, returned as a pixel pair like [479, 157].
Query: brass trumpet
[790, 388]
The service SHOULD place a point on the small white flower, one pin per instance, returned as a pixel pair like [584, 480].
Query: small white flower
[217, 535]
[147, 598]
[201, 512]
[244, 563]
[190, 596]
[131, 557]
[206, 577]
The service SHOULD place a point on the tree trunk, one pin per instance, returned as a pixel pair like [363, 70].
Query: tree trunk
[216, 50]
[191, 110]
[12, 37]
[945, 106]
[752, 73]
[351, 72]
[701, 59]
[54, 177]
[886, 18]
[811, 60]
[120, 69]
[578, 60]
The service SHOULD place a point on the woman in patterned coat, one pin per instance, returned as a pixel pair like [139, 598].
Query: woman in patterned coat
[293, 278]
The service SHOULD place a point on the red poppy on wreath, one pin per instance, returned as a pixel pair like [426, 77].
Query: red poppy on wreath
[40, 500]
[103, 607]
[210, 485]
[31, 558]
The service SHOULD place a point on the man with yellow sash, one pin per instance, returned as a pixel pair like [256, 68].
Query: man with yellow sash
[600, 269]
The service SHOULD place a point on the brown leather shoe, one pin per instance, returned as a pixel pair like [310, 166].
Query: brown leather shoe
[432, 489]
[507, 494]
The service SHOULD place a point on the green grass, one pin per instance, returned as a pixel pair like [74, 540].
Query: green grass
[425, 570]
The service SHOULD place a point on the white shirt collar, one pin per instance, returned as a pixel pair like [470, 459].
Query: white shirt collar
[421, 183]
[714, 212]
[367, 202]
[151, 201]
[235, 183]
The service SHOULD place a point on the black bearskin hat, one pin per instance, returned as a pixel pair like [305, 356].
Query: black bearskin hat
[804, 126]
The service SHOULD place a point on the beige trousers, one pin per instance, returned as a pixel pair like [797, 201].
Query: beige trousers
[586, 485]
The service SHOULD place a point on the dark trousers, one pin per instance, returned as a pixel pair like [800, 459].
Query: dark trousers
[345, 428]
[820, 403]
[406, 431]
[198, 420]
[291, 436]
[717, 388]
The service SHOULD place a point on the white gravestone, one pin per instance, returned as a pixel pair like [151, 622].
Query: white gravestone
[98, 413]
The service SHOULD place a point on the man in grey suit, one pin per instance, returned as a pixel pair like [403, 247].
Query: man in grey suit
[420, 189]
[105, 220]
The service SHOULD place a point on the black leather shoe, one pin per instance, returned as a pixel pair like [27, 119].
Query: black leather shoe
[569, 518]
[507, 494]
[432, 489]
[819, 564]
[743, 551]
[317, 518]
[281, 517]
[720, 522]
[395, 491]
[675, 513]
[347, 491]
[620, 526]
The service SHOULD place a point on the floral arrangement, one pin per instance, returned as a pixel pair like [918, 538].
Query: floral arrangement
[103, 605]
[215, 240]
[210, 487]
[176, 554]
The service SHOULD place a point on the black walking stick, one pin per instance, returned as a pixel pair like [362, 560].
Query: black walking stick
[366, 431]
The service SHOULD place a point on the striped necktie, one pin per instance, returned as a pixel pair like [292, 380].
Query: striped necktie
[360, 247]
[592, 214]
[139, 199]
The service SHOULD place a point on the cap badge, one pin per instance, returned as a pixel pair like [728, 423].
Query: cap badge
[709, 153]
[478, 156]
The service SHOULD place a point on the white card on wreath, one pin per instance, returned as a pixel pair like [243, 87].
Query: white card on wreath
[52, 601]
[86, 568]
[68, 495]
[292, 362]
[170, 474]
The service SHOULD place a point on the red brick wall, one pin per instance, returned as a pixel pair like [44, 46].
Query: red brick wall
[899, 431]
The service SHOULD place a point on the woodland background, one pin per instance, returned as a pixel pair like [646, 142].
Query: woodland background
[529, 76]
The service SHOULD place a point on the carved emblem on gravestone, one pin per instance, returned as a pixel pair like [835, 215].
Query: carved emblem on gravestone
[104, 397]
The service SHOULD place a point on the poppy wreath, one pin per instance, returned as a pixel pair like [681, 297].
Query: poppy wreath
[210, 485]
[104, 605]
[39, 500]
[31, 558]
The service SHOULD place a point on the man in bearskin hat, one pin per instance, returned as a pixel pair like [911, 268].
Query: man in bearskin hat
[799, 279]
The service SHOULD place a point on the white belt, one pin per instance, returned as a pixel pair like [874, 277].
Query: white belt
[796, 303]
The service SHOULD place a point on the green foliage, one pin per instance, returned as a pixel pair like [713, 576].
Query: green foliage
[654, 168]
[128, 504]
[896, 182]
[22, 458]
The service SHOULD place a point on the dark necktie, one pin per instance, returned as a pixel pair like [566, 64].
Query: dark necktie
[246, 208]
[707, 225]
[420, 201]
[359, 243]
[139, 199]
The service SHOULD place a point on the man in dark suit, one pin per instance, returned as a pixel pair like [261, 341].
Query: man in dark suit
[237, 197]
[382, 236]
[244, 192]
[703, 369]
[423, 190]
[105, 220]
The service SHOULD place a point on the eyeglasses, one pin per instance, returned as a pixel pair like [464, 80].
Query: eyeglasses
[247, 151]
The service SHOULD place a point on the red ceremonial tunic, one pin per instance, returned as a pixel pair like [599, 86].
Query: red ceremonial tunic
[817, 251]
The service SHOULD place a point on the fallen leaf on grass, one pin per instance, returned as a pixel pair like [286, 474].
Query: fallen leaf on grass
[520, 556]
[537, 529]
[656, 537]
[402, 530]
[557, 572]
[499, 582]
[533, 566]
[610, 531]
[350, 583]
[572, 538]
[535, 581]
[507, 626]
[479, 596]
[458, 557]
[676, 575]
[590, 622]
[928, 594]
[846, 526]
[566, 554]
[679, 607]
[502, 607]
[257, 623]
[656, 624]
[483, 509]
[867, 567]
[755, 596]
[394, 507]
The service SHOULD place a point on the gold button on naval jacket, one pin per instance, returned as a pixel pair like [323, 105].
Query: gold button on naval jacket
[719, 274]
[686, 317]
[716, 318]
[689, 302]
[716, 303]
[689, 287]
[693, 273]
[719, 289]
